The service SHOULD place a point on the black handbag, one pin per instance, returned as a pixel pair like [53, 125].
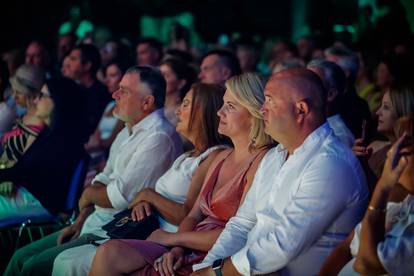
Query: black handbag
[123, 227]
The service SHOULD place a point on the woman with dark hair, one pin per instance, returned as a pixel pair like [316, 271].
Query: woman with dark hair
[179, 77]
[39, 182]
[177, 189]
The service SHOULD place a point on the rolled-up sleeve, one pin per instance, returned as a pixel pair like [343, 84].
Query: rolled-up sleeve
[152, 157]
[283, 235]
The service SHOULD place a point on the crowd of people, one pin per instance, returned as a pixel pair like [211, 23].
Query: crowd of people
[306, 168]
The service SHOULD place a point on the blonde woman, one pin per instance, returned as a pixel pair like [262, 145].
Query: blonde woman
[26, 85]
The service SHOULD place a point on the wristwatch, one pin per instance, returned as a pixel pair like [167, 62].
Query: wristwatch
[217, 265]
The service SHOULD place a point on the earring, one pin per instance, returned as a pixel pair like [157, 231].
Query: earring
[253, 142]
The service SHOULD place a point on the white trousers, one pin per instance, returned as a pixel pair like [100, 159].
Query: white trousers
[75, 261]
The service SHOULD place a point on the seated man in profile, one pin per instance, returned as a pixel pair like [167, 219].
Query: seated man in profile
[307, 195]
[140, 154]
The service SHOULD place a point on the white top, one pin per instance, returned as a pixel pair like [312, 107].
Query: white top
[297, 210]
[174, 183]
[341, 130]
[136, 161]
[396, 252]
[7, 118]
[107, 123]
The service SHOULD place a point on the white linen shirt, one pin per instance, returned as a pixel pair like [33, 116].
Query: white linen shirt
[136, 161]
[297, 210]
[341, 130]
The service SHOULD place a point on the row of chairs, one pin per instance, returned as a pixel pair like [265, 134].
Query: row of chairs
[16, 233]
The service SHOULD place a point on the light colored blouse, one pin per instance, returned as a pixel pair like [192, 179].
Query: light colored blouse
[396, 251]
[107, 123]
[175, 182]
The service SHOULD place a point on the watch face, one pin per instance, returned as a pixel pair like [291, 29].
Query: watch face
[217, 263]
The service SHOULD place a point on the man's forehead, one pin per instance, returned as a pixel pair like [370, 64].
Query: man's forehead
[212, 59]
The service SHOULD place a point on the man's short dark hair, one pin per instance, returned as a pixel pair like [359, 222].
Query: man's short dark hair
[153, 78]
[228, 58]
[153, 43]
[90, 53]
[334, 76]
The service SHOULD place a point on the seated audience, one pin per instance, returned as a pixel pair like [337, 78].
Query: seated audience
[396, 103]
[140, 154]
[177, 190]
[37, 55]
[392, 70]
[217, 66]
[383, 242]
[225, 186]
[333, 78]
[307, 195]
[26, 86]
[38, 183]
[149, 51]
[7, 114]
[109, 126]
[353, 109]
[179, 77]
[81, 65]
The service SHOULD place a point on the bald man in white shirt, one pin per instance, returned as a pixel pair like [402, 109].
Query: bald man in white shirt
[307, 195]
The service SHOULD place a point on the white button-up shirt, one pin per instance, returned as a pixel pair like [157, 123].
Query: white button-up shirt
[341, 130]
[297, 210]
[136, 161]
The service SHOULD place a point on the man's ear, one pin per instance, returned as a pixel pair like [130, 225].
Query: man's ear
[302, 109]
[226, 72]
[148, 103]
[332, 94]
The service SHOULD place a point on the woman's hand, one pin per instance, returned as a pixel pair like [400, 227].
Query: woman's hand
[143, 195]
[141, 211]
[360, 150]
[7, 189]
[162, 237]
[169, 262]
[394, 164]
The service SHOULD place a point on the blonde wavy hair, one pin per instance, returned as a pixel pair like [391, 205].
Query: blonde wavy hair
[247, 89]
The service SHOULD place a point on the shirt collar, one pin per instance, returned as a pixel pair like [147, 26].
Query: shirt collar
[316, 136]
[148, 121]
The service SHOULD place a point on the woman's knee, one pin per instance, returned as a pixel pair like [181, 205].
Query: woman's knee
[108, 250]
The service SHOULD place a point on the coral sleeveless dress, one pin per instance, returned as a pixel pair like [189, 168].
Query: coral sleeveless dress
[217, 208]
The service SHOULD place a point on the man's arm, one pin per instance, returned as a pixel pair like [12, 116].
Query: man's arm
[72, 231]
[95, 195]
[227, 269]
[321, 197]
[151, 158]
